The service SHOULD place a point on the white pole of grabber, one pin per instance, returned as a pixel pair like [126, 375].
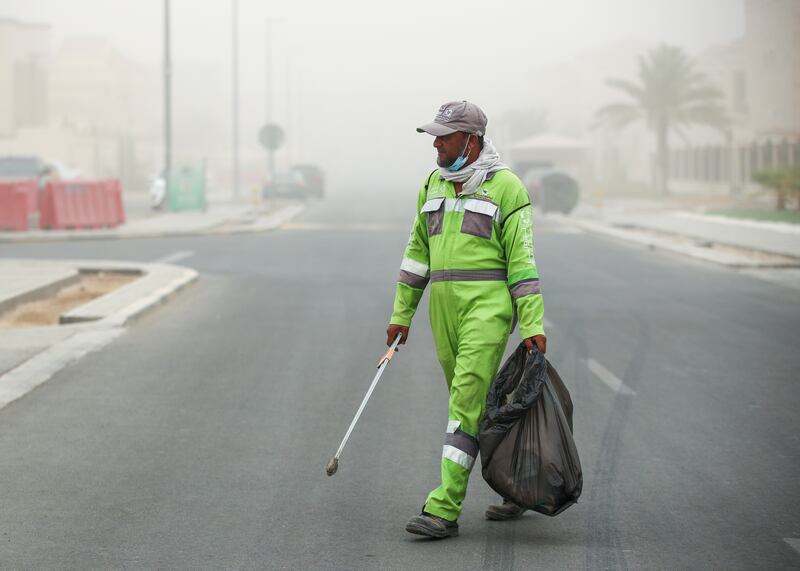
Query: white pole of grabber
[333, 464]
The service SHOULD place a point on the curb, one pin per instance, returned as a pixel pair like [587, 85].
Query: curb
[39, 292]
[272, 221]
[782, 227]
[93, 334]
[705, 254]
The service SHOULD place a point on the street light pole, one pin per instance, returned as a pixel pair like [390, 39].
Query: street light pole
[167, 98]
[235, 79]
[268, 95]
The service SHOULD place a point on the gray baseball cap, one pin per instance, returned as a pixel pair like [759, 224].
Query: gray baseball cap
[457, 116]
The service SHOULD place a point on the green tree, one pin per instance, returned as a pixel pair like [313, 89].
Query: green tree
[670, 95]
[782, 181]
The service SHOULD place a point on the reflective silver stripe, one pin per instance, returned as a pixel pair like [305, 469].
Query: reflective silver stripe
[467, 275]
[458, 456]
[412, 280]
[525, 287]
[432, 205]
[463, 441]
[459, 205]
[480, 206]
[415, 267]
[452, 426]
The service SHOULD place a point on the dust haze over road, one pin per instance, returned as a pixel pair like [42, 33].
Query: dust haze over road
[198, 437]
[351, 80]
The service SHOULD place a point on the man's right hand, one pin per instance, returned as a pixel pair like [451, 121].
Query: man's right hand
[393, 330]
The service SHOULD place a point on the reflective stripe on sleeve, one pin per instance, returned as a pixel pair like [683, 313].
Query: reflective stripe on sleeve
[412, 280]
[525, 287]
[415, 267]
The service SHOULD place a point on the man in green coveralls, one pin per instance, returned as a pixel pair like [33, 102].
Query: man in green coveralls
[472, 239]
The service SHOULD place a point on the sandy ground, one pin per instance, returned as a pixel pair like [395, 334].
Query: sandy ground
[47, 311]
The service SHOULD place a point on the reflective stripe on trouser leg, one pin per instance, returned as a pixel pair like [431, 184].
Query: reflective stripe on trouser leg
[460, 447]
[471, 322]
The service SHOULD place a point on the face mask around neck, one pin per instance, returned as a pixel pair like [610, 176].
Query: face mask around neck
[461, 160]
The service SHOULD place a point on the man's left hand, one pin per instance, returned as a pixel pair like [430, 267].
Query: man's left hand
[539, 340]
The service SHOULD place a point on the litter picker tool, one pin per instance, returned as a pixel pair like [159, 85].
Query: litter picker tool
[333, 464]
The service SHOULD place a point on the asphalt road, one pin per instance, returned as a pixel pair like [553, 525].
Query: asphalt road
[199, 438]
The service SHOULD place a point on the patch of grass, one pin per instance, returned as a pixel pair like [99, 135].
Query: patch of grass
[790, 216]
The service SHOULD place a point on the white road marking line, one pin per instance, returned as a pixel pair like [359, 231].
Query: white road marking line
[610, 379]
[175, 257]
[794, 542]
[548, 324]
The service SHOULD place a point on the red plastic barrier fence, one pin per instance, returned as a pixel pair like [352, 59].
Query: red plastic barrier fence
[30, 188]
[13, 209]
[82, 204]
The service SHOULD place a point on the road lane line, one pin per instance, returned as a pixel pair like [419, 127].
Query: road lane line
[794, 542]
[175, 257]
[610, 379]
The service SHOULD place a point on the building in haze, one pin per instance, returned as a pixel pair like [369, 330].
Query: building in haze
[84, 104]
[759, 76]
[24, 59]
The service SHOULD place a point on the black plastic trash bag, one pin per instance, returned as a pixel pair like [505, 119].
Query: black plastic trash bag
[528, 455]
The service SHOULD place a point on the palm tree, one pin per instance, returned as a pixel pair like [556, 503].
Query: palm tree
[671, 94]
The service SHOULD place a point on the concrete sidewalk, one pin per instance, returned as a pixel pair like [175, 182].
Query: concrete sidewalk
[768, 237]
[218, 218]
[29, 356]
[728, 241]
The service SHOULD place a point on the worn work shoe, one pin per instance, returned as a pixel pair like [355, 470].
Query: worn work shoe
[432, 526]
[509, 510]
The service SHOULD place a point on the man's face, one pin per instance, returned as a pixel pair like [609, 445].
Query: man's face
[449, 148]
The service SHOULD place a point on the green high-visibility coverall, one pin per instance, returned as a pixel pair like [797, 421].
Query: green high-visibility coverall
[477, 252]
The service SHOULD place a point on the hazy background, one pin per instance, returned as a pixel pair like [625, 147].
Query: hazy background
[352, 79]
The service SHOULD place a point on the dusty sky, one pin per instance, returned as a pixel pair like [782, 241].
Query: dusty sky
[364, 74]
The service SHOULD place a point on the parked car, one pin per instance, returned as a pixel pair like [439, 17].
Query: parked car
[31, 167]
[552, 190]
[284, 185]
[21, 167]
[313, 180]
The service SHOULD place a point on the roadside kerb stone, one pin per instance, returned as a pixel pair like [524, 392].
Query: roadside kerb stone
[39, 280]
[229, 221]
[639, 235]
[95, 324]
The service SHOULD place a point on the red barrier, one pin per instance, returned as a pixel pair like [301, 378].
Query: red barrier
[82, 204]
[13, 209]
[119, 206]
[30, 188]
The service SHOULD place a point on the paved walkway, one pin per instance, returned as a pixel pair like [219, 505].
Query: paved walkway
[223, 217]
[781, 239]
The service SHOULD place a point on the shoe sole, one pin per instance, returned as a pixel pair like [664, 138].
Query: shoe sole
[418, 529]
[500, 516]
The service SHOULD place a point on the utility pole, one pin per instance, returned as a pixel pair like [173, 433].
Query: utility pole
[289, 122]
[167, 98]
[235, 79]
[268, 92]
